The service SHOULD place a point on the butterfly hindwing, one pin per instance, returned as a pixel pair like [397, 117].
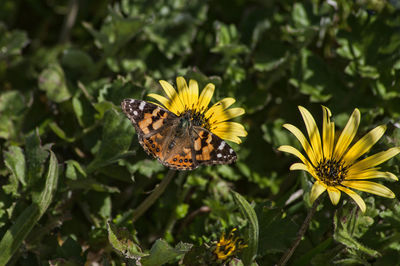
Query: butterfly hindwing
[211, 149]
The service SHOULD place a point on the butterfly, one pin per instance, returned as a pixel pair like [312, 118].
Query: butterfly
[176, 141]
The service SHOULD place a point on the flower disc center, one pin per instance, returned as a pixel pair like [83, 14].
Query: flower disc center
[197, 118]
[331, 172]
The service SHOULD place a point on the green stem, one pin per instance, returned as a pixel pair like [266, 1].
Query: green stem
[288, 254]
[159, 189]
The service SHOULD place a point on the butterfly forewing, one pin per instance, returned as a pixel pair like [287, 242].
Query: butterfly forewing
[146, 117]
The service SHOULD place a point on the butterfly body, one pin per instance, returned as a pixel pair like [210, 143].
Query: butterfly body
[178, 142]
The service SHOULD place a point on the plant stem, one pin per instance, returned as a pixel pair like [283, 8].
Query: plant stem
[284, 259]
[158, 190]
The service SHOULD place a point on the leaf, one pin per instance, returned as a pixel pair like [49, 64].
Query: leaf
[22, 226]
[346, 223]
[161, 252]
[74, 170]
[122, 241]
[249, 214]
[59, 132]
[14, 160]
[52, 81]
[36, 155]
[116, 139]
[12, 42]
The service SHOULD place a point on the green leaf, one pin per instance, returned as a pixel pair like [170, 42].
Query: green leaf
[11, 43]
[116, 139]
[299, 16]
[249, 214]
[74, 170]
[52, 81]
[161, 252]
[36, 156]
[121, 240]
[20, 229]
[59, 132]
[347, 225]
[14, 160]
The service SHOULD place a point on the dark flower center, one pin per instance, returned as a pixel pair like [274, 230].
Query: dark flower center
[197, 118]
[331, 172]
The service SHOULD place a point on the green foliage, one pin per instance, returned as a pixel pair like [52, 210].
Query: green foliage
[72, 172]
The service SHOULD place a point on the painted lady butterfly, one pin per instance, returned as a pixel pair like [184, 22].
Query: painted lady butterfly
[175, 140]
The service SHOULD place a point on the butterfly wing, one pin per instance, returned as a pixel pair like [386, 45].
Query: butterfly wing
[211, 149]
[150, 121]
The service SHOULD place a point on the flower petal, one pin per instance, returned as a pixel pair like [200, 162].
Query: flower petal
[360, 202]
[313, 132]
[205, 97]
[364, 144]
[374, 160]
[370, 174]
[302, 139]
[370, 187]
[347, 135]
[317, 189]
[229, 131]
[328, 133]
[295, 152]
[183, 91]
[334, 194]
[164, 101]
[169, 90]
[193, 93]
[175, 100]
[217, 115]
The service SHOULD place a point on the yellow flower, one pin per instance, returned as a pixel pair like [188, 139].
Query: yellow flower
[214, 119]
[335, 165]
[227, 247]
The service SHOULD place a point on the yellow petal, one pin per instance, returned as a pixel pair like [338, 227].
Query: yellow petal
[183, 91]
[313, 132]
[193, 93]
[370, 174]
[328, 133]
[217, 115]
[302, 139]
[164, 101]
[317, 189]
[175, 100]
[169, 90]
[229, 131]
[303, 167]
[364, 144]
[295, 152]
[374, 160]
[347, 135]
[299, 166]
[370, 187]
[334, 195]
[360, 202]
[205, 97]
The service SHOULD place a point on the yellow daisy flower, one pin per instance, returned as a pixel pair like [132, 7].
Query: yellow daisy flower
[227, 247]
[214, 119]
[335, 165]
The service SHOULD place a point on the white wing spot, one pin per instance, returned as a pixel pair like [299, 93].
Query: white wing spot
[219, 155]
[230, 151]
[141, 106]
[222, 145]
[135, 113]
